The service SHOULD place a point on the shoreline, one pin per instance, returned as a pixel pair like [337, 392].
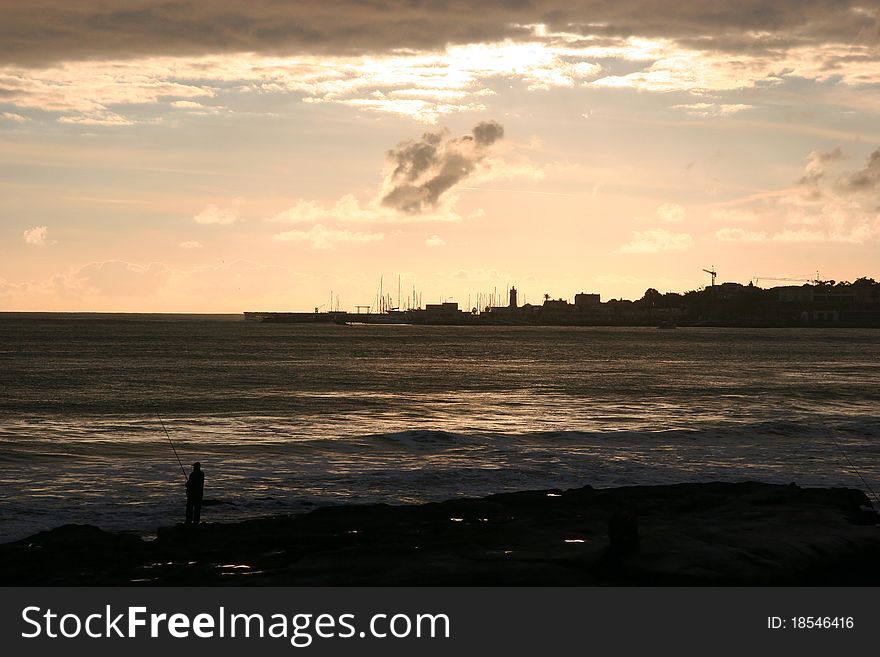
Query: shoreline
[355, 320]
[681, 534]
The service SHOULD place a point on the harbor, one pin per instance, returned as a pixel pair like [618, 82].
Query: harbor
[812, 303]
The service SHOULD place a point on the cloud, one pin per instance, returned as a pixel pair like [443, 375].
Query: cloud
[12, 116]
[419, 85]
[671, 212]
[215, 215]
[867, 178]
[426, 111]
[86, 90]
[10, 290]
[436, 61]
[36, 236]
[816, 165]
[198, 109]
[322, 238]
[836, 206]
[419, 181]
[435, 240]
[305, 212]
[654, 241]
[706, 110]
[674, 67]
[41, 31]
[97, 118]
[191, 244]
[424, 169]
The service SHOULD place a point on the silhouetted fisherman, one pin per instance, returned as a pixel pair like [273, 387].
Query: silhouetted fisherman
[195, 489]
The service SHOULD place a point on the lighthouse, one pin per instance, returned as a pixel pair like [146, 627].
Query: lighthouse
[512, 303]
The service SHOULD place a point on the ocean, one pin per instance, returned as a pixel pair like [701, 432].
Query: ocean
[285, 418]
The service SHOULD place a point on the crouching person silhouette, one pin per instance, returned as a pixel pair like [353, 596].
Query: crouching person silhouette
[195, 490]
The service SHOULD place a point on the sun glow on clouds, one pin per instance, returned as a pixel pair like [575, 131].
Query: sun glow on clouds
[706, 110]
[422, 86]
[425, 86]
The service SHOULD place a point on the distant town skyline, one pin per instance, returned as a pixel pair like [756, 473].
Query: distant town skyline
[232, 155]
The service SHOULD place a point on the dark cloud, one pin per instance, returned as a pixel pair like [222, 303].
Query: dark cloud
[35, 32]
[864, 180]
[868, 178]
[425, 169]
[487, 133]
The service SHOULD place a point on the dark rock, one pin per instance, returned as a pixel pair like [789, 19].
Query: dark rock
[685, 534]
[623, 533]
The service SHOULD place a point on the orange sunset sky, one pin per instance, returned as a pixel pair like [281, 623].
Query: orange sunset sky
[254, 155]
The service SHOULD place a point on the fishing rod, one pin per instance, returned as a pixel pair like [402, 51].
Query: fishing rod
[852, 466]
[167, 435]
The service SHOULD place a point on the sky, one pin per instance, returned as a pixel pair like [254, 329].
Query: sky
[185, 156]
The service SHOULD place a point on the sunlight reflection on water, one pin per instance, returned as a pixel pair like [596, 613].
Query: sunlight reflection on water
[285, 417]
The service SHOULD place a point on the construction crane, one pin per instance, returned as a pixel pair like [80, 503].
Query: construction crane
[712, 273]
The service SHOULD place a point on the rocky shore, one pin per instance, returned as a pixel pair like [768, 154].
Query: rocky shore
[685, 534]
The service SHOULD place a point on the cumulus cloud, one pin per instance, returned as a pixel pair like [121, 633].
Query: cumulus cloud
[36, 236]
[671, 212]
[322, 238]
[654, 241]
[12, 116]
[191, 244]
[216, 215]
[435, 240]
[423, 170]
[835, 205]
